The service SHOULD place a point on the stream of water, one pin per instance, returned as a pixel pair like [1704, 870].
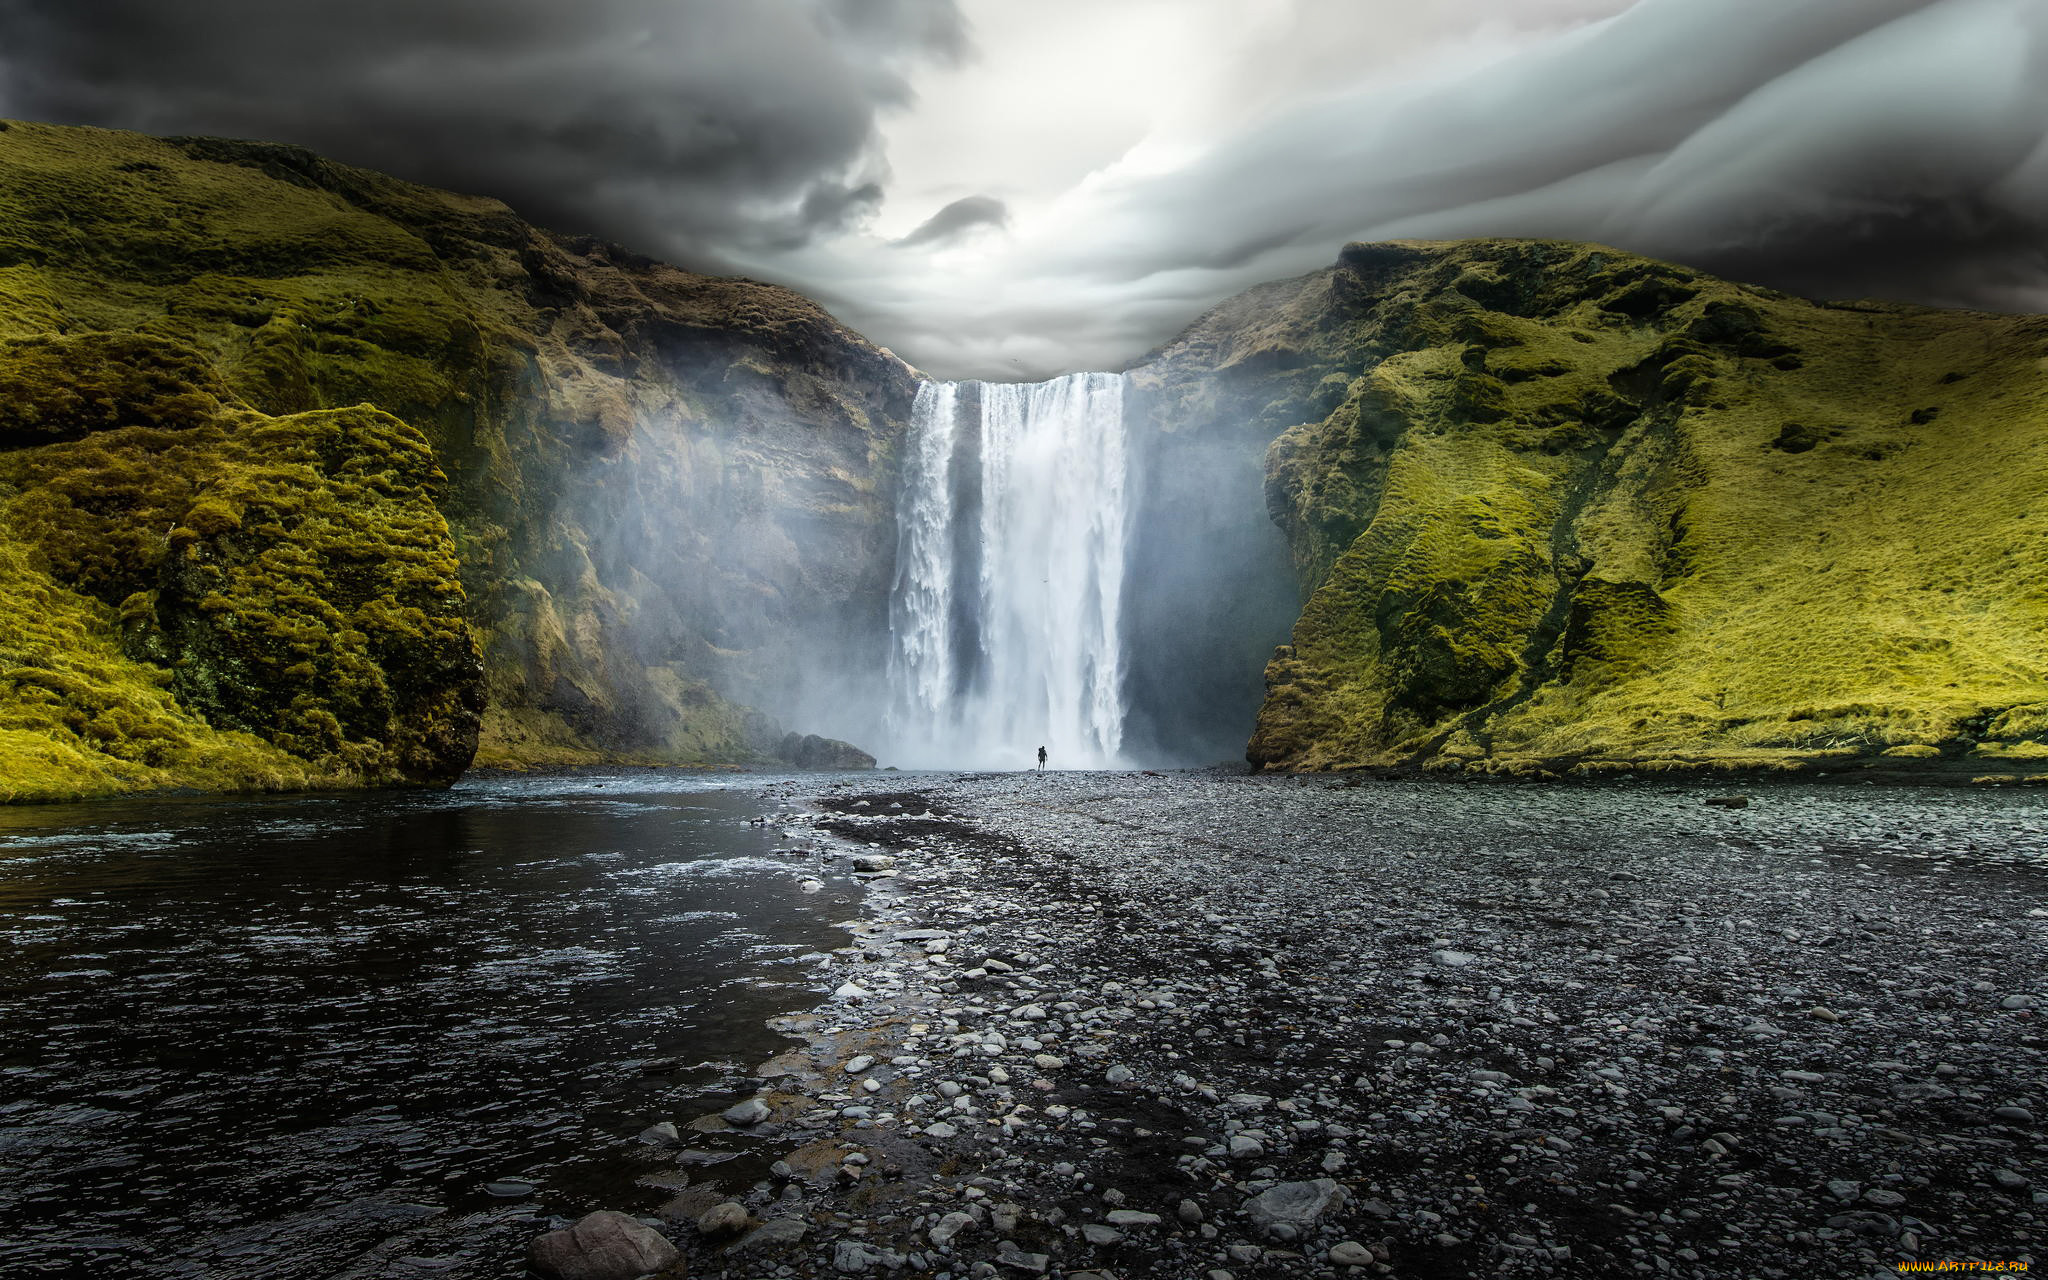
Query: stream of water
[376, 1035]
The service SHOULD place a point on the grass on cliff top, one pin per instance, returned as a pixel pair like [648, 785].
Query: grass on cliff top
[1885, 587]
[1830, 539]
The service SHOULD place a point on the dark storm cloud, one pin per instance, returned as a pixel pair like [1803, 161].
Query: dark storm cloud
[955, 220]
[691, 127]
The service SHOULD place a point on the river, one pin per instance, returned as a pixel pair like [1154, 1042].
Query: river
[384, 1034]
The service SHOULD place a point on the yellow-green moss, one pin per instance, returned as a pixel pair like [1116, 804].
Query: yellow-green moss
[78, 718]
[1580, 506]
[282, 582]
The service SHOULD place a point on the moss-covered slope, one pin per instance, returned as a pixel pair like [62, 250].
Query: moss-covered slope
[1553, 505]
[656, 483]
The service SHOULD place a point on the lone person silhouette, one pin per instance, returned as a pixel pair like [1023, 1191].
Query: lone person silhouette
[1041, 759]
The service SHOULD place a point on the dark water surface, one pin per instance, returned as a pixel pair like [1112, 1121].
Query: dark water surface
[303, 1037]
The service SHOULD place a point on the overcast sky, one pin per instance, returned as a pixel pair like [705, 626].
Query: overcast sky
[1007, 189]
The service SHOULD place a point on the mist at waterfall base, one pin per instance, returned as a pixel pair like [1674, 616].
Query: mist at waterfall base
[1061, 578]
[1039, 564]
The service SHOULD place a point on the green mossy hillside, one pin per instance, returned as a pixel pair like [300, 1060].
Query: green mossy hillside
[1555, 506]
[624, 446]
[234, 603]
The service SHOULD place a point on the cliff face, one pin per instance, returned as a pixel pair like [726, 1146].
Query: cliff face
[311, 476]
[1551, 505]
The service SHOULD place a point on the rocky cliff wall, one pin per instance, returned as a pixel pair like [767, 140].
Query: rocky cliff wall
[396, 431]
[1554, 506]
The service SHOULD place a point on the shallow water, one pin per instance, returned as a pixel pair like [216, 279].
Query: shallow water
[343, 1035]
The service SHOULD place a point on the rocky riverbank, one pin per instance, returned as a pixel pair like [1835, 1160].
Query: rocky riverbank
[1203, 1026]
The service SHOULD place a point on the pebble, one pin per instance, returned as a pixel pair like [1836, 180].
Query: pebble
[1350, 1253]
[729, 1218]
[1598, 987]
[948, 1228]
[853, 1257]
[745, 1114]
[1294, 1204]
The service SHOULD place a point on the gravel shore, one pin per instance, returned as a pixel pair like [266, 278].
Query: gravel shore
[1194, 1025]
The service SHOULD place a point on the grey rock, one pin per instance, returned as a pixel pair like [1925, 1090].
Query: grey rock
[699, 1157]
[949, 1228]
[776, 1233]
[1298, 1205]
[606, 1245]
[853, 1257]
[1350, 1253]
[809, 751]
[747, 1114]
[728, 1219]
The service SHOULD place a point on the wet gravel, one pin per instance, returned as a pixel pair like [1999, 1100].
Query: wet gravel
[1198, 1025]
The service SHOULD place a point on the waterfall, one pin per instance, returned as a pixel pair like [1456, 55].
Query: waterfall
[1011, 531]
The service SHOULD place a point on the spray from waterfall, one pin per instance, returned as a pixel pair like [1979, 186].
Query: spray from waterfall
[1011, 546]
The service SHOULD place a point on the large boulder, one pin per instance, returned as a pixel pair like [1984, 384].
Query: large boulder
[606, 1245]
[809, 751]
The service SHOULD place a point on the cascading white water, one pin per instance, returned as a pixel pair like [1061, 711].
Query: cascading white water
[1011, 533]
